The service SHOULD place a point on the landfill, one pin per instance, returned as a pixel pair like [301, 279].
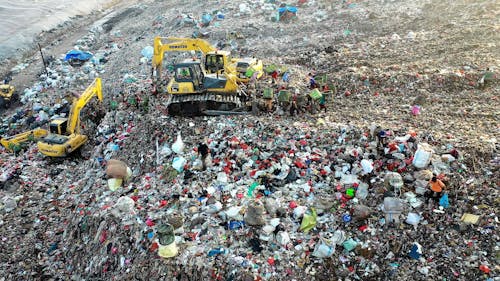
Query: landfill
[339, 194]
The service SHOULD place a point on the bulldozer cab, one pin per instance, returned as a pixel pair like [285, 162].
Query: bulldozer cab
[58, 126]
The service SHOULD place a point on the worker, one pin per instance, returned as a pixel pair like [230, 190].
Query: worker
[436, 187]
[274, 76]
[294, 108]
[312, 81]
[322, 102]
[269, 104]
[203, 152]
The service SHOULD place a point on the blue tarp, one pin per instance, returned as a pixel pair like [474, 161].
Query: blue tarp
[79, 55]
[287, 8]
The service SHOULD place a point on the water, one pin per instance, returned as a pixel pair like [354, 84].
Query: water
[22, 20]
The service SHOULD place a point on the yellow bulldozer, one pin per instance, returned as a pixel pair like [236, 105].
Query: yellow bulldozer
[63, 136]
[208, 87]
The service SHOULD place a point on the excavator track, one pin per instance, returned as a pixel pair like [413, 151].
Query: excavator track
[204, 104]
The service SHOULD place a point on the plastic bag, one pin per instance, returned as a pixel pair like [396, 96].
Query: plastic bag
[323, 250]
[124, 206]
[168, 251]
[147, 52]
[178, 163]
[422, 156]
[413, 219]
[178, 146]
[309, 221]
[349, 244]
[443, 201]
[114, 184]
[367, 166]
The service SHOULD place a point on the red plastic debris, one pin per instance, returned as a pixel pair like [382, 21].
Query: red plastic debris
[484, 268]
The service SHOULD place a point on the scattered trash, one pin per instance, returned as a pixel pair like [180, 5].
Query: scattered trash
[280, 194]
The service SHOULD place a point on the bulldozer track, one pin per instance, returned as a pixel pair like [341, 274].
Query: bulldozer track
[219, 98]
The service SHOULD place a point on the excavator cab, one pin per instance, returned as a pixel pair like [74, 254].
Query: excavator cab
[6, 94]
[215, 62]
[58, 126]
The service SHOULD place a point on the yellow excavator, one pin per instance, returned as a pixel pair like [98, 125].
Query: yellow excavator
[196, 88]
[215, 61]
[7, 94]
[63, 136]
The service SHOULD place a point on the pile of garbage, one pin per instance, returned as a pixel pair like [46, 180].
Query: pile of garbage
[338, 195]
[275, 199]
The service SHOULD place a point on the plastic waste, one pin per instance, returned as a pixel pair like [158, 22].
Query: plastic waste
[233, 211]
[470, 218]
[178, 146]
[309, 221]
[346, 217]
[367, 166]
[123, 206]
[252, 188]
[9, 203]
[255, 215]
[422, 156]
[394, 179]
[114, 184]
[116, 169]
[178, 163]
[236, 224]
[413, 219]
[349, 244]
[283, 237]
[362, 191]
[443, 201]
[216, 251]
[168, 251]
[299, 211]
[147, 52]
[323, 250]
[392, 208]
[361, 212]
[415, 110]
[268, 229]
[416, 251]
[338, 237]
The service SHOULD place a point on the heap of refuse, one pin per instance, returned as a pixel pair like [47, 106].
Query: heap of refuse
[341, 195]
[299, 199]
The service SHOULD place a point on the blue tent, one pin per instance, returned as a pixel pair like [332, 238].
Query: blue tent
[79, 55]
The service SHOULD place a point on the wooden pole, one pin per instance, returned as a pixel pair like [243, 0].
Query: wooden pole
[43, 60]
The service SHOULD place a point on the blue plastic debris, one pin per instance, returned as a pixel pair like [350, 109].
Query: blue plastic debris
[78, 55]
[147, 52]
[444, 202]
[416, 251]
[214, 252]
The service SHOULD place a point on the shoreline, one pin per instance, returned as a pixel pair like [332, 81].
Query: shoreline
[51, 38]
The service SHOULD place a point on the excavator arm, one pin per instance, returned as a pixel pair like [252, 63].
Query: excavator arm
[13, 143]
[176, 44]
[74, 115]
